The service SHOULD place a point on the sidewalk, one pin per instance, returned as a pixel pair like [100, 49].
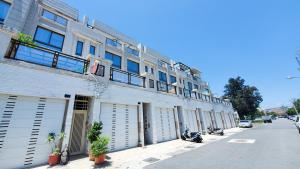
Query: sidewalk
[142, 156]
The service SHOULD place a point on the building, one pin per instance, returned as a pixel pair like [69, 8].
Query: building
[78, 72]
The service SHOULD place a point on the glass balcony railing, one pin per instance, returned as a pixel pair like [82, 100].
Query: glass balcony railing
[46, 57]
[164, 87]
[126, 77]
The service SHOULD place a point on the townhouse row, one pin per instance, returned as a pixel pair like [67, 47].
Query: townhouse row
[78, 72]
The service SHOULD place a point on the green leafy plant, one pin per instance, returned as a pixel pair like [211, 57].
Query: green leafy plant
[55, 140]
[99, 146]
[94, 132]
[22, 37]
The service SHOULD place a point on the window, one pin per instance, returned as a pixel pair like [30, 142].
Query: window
[146, 68]
[152, 71]
[196, 86]
[133, 67]
[172, 79]
[114, 58]
[162, 76]
[132, 51]
[151, 83]
[92, 50]
[79, 48]
[4, 7]
[113, 42]
[180, 90]
[190, 86]
[51, 16]
[49, 39]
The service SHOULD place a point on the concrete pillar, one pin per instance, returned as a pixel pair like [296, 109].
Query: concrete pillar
[140, 125]
[68, 124]
[153, 123]
[176, 122]
[95, 110]
[4, 43]
[198, 120]
[203, 120]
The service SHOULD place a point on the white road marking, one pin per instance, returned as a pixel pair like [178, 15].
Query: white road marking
[243, 141]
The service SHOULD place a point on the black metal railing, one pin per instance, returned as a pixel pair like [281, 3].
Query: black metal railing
[165, 87]
[43, 56]
[126, 77]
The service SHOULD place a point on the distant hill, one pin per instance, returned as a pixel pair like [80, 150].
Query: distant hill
[278, 110]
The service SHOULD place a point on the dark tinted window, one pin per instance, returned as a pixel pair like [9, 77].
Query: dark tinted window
[151, 83]
[133, 67]
[114, 58]
[92, 50]
[162, 76]
[4, 7]
[79, 48]
[49, 39]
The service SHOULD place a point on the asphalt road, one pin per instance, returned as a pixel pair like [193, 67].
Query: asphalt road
[276, 146]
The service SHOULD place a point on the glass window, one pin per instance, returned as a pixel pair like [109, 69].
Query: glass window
[180, 90]
[48, 15]
[151, 83]
[4, 7]
[152, 71]
[113, 42]
[172, 79]
[190, 86]
[133, 67]
[49, 39]
[196, 86]
[146, 68]
[132, 51]
[61, 20]
[162, 76]
[51, 16]
[114, 58]
[92, 50]
[79, 48]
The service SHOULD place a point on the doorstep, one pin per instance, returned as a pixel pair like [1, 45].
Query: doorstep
[142, 156]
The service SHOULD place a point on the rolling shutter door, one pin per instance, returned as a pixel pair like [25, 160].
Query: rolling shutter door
[24, 127]
[191, 120]
[165, 124]
[120, 124]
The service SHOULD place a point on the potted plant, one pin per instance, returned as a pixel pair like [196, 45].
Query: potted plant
[99, 149]
[92, 135]
[54, 140]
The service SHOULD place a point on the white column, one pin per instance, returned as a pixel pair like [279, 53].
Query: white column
[176, 122]
[68, 124]
[141, 125]
[198, 119]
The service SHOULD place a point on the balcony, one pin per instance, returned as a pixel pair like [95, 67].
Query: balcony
[164, 87]
[46, 57]
[126, 77]
[187, 93]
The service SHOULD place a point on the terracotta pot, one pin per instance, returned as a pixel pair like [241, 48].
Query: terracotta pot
[53, 159]
[92, 158]
[100, 159]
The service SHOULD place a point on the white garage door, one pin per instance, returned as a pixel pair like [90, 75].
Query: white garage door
[165, 124]
[228, 120]
[191, 120]
[120, 124]
[24, 127]
[219, 120]
[208, 119]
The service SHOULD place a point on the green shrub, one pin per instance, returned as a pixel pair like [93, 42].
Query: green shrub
[99, 146]
[22, 37]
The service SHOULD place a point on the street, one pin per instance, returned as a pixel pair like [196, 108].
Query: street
[268, 146]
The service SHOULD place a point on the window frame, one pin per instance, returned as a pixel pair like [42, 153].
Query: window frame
[94, 50]
[131, 71]
[76, 51]
[49, 40]
[55, 19]
[9, 6]
[112, 59]
[173, 77]
[165, 75]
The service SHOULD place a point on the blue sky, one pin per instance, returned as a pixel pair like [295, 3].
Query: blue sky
[255, 39]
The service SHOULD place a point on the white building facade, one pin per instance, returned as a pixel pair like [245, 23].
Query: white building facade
[78, 72]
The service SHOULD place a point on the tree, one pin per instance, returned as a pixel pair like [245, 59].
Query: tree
[245, 99]
[291, 111]
[296, 103]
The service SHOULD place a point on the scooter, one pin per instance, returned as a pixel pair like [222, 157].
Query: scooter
[192, 136]
[218, 131]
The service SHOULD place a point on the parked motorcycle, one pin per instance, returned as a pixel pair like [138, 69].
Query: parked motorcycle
[192, 136]
[218, 131]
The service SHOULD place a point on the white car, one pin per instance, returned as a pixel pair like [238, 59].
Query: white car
[245, 123]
